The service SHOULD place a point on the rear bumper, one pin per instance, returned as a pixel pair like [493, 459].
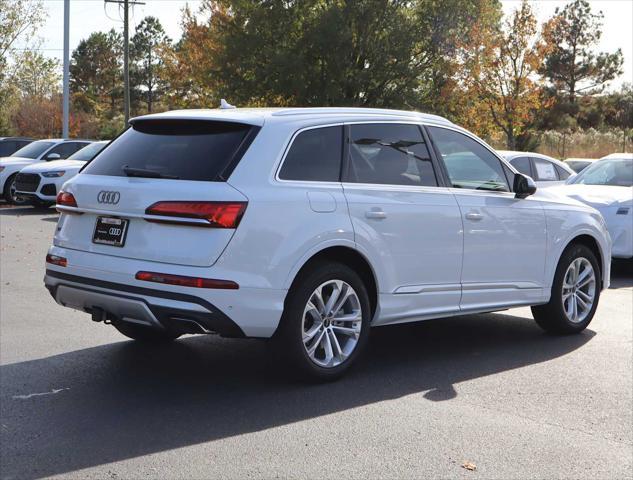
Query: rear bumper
[171, 311]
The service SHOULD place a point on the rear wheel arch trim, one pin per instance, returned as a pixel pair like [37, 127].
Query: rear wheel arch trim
[334, 250]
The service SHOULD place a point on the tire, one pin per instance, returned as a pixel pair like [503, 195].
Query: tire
[144, 334]
[8, 194]
[298, 317]
[558, 316]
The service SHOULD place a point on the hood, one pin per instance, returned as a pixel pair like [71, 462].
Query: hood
[597, 195]
[54, 166]
[16, 161]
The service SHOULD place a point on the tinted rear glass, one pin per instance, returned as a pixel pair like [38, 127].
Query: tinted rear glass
[183, 149]
[315, 155]
[389, 154]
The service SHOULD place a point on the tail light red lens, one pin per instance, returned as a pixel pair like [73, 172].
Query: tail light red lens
[56, 260]
[216, 214]
[181, 281]
[65, 199]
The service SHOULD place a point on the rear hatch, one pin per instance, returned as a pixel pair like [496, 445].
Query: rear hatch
[159, 193]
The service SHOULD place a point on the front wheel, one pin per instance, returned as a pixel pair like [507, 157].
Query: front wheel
[575, 293]
[10, 194]
[325, 324]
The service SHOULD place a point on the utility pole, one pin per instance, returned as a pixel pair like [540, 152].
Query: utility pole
[126, 52]
[66, 90]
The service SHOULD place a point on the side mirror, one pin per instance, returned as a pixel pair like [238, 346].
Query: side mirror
[523, 186]
[53, 156]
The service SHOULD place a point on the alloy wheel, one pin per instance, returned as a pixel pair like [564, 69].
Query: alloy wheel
[579, 290]
[332, 322]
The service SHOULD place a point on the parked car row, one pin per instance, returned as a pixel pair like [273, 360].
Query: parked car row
[36, 169]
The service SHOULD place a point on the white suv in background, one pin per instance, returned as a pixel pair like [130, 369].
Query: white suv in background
[38, 184]
[39, 151]
[312, 225]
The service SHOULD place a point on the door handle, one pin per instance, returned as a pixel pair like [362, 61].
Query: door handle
[474, 216]
[375, 213]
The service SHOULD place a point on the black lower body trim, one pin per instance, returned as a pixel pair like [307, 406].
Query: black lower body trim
[174, 320]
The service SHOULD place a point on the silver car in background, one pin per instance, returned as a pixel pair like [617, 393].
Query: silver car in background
[546, 171]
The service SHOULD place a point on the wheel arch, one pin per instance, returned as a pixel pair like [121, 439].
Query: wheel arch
[347, 256]
[592, 244]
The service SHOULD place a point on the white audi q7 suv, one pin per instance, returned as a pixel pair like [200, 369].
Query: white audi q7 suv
[309, 226]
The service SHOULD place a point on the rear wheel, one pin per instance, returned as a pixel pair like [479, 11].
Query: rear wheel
[325, 324]
[144, 334]
[10, 194]
[575, 293]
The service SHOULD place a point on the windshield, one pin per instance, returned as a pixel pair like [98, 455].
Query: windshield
[87, 153]
[33, 150]
[617, 173]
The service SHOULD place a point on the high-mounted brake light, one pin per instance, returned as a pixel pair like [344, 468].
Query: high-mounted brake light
[56, 260]
[216, 214]
[65, 199]
[182, 281]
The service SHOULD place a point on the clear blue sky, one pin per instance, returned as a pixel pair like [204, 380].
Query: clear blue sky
[93, 15]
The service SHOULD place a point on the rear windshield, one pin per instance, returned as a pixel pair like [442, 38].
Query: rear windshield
[182, 149]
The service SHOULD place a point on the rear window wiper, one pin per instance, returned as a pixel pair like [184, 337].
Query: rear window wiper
[145, 173]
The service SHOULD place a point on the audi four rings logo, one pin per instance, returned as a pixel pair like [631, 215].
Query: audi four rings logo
[111, 198]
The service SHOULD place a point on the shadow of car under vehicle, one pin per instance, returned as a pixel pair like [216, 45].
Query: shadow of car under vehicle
[19, 211]
[125, 400]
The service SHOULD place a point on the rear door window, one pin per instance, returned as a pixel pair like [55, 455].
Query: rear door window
[180, 149]
[389, 154]
[64, 150]
[545, 170]
[315, 156]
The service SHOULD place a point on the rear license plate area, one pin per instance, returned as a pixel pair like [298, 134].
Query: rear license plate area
[110, 231]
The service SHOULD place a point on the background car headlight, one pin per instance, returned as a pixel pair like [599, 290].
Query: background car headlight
[53, 174]
[623, 211]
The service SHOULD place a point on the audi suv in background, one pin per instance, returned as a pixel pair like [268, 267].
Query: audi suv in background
[546, 171]
[309, 226]
[39, 183]
[38, 151]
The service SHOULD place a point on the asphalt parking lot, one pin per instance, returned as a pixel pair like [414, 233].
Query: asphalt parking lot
[491, 392]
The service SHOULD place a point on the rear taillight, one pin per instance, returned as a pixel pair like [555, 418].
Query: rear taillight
[214, 214]
[65, 199]
[182, 281]
[56, 260]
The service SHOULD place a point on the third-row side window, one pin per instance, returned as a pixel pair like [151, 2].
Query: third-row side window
[315, 156]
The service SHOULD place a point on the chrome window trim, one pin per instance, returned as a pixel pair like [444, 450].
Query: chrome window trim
[340, 183]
